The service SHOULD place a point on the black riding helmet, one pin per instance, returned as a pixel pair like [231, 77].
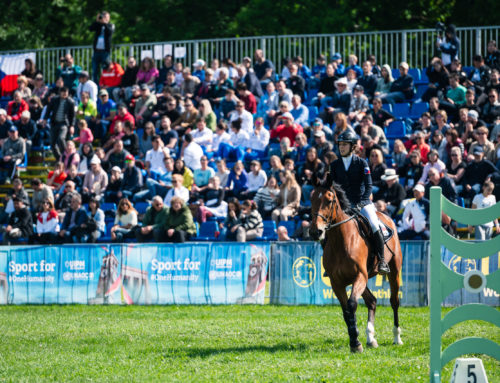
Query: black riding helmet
[348, 136]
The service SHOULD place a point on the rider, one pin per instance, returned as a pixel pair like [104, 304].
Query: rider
[352, 173]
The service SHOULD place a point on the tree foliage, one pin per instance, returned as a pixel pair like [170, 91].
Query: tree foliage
[28, 24]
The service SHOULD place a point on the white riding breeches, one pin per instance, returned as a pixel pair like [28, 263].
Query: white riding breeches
[370, 213]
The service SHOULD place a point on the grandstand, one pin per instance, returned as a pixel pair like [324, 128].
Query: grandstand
[237, 106]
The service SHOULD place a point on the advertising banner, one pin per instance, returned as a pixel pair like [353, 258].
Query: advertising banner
[201, 273]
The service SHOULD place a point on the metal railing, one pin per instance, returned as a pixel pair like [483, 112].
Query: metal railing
[390, 47]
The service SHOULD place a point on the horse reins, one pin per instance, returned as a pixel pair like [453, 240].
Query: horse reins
[329, 224]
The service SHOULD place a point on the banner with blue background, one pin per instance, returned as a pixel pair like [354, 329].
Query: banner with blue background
[201, 273]
[296, 274]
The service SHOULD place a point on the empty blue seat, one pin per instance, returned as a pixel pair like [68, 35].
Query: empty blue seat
[417, 109]
[141, 207]
[269, 233]
[467, 69]
[290, 226]
[420, 91]
[387, 107]
[313, 112]
[107, 234]
[395, 73]
[415, 73]
[401, 110]
[423, 78]
[396, 129]
[208, 231]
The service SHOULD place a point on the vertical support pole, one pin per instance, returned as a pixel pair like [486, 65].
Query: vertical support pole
[263, 46]
[435, 297]
[478, 41]
[404, 47]
[196, 53]
[332, 47]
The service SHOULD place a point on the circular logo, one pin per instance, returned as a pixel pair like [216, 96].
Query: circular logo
[304, 271]
[474, 281]
[455, 263]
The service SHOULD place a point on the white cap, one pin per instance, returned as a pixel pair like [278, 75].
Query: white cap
[95, 160]
[420, 188]
[199, 63]
[3, 112]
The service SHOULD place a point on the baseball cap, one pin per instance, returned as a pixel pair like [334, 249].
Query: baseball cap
[84, 73]
[318, 120]
[473, 114]
[13, 128]
[337, 56]
[420, 188]
[359, 87]
[129, 157]
[116, 169]
[144, 86]
[287, 115]
[477, 149]
[103, 92]
[199, 63]
[3, 112]
[95, 160]
[319, 133]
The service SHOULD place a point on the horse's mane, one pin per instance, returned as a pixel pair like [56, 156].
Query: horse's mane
[345, 205]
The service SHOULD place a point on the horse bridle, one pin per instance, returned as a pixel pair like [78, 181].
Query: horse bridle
[329, 224]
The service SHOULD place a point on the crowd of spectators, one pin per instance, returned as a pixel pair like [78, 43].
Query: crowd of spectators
[237, 143]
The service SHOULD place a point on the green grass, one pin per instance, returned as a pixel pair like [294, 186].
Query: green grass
[215, 343]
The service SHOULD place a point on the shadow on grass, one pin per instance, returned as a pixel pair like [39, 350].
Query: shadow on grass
[202, 352]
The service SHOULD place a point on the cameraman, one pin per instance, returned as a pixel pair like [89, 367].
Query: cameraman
[449, 45]
[103, 30]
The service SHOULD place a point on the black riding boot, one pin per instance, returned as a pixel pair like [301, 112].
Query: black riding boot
[378, 242]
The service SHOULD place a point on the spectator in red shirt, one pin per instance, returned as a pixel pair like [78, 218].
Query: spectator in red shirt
[421, 146]
[247, 97]
[287, 128]
[56, 177]
[16, 107]
[111, 77]
[122, 115]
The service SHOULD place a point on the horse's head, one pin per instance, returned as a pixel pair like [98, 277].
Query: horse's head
[323, 211]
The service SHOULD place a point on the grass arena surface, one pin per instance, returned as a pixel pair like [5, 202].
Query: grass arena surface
[216, 344]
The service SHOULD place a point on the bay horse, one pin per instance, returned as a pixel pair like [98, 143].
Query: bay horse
[346, 260]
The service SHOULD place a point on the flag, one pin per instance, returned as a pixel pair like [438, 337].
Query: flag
[11, 66]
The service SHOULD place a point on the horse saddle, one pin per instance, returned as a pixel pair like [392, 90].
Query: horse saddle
[365, 229]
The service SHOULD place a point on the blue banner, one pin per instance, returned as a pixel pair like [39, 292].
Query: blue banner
[201, 273]
[296, 276]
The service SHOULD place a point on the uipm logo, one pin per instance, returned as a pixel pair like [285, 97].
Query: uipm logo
[304, 272]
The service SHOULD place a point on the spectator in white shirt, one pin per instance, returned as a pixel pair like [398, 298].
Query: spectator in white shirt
[192, 152]
[202, 135]
[257, 178]
[259, 138]
[221, 135]
[155, 157]
[240, 113]
[299, 111]
[177, 190]
[482, 201]
[235, 149]
[86, 85]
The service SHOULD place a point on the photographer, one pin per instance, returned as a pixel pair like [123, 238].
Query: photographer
[448, 45]
[103, 30]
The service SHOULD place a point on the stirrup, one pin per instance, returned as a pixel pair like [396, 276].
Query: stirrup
[383, 267]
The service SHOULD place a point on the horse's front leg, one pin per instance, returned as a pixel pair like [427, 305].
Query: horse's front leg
[358, 287]
[371, 304]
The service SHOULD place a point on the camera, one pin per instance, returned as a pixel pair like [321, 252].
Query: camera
[440, 27]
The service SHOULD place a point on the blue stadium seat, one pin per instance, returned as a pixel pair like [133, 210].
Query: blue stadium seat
[420, 91]
[417, 109]
[423, 78]
[107, 234]
[467, 69]
[395, 73]
[313, 112]
[107, 206]
[310, 95]
[290, 226]
[207, 231]
[269, 233]
[396, 129]
[415, 73]
[387, 107]
[401, 110]
[141, 207]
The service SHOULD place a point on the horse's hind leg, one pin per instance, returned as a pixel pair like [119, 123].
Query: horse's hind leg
[394, 283]
[371, 304]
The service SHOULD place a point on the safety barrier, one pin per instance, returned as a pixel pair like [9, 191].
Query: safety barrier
[444, 281]
[390, 47]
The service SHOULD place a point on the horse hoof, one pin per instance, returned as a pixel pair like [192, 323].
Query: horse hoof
[373, 344]
[357, 349]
